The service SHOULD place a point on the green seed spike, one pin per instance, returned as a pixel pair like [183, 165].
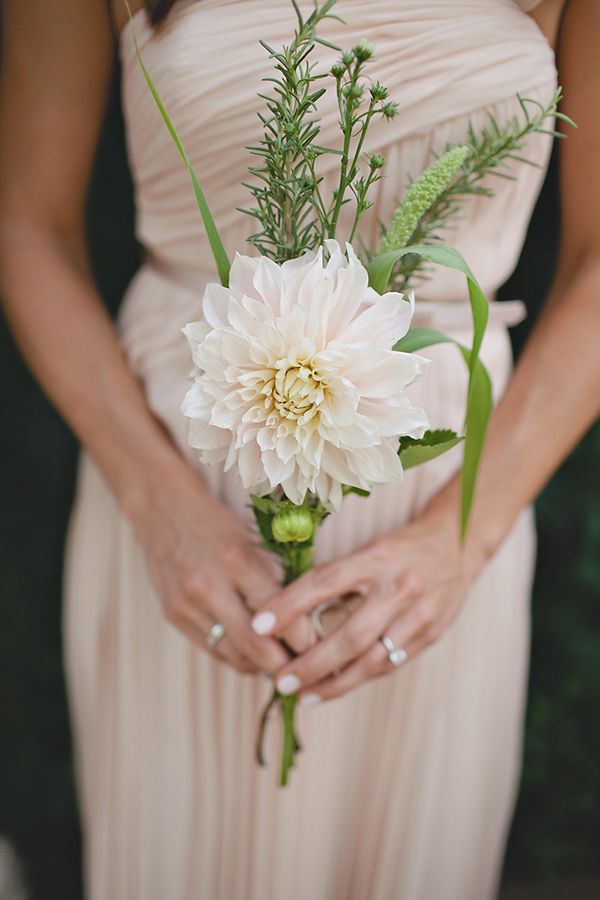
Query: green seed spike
[420, 196]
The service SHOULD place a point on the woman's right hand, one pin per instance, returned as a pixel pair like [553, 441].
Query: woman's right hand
[205, 568]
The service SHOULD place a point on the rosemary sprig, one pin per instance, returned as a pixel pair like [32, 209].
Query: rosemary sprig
[293, 214]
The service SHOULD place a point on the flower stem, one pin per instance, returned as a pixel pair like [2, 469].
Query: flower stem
[287, 705]
[299, 560]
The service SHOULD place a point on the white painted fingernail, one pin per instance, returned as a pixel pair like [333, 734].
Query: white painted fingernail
[288, 684]
[309, 699]
[263, 622]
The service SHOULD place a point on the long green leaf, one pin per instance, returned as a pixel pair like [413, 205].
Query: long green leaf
[214, 238]
[380, 270]
[479, 405]
[479, 397]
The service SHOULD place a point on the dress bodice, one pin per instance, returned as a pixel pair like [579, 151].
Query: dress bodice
[445, 64]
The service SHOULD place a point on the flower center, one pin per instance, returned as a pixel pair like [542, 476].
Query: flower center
[298, 390]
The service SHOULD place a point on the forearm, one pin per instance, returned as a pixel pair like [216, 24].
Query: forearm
[552, 398]
[71, 345]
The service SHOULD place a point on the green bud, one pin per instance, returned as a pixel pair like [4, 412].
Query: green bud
[348, 58]
[389, 110]
[352, 90]
[378, 92]
[420, 197]
[376, 161]
[295, 524]
[363, 50]
[338, 70]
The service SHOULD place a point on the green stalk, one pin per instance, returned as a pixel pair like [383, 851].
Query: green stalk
[343, 182]
[299, 560]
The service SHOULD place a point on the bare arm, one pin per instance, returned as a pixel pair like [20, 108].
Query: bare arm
[56, 69]
[57, 63]
[415, 580]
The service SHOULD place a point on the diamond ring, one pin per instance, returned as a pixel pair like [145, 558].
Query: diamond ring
[215, 634]
[396, 655]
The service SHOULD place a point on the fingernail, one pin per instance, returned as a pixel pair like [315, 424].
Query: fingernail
[288, 684]
[263, 622]
[309, 699]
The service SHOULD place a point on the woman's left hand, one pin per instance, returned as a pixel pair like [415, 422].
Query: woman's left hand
[413, 583]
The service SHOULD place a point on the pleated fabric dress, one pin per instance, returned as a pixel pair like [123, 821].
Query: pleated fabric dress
[406, 787]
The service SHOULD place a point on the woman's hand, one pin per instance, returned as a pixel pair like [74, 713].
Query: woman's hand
[413, 583]
[206, 569]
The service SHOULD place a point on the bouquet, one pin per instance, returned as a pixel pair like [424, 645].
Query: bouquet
[304, 349]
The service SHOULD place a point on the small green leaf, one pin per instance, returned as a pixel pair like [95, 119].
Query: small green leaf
[214, 238]
[265, 505]
[349, 489]
[413, 452]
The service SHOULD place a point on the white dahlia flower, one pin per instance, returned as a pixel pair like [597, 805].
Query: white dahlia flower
[296, 383]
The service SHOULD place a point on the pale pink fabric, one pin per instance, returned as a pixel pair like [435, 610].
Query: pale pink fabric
[406, 787]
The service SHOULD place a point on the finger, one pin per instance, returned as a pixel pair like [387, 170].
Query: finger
[373, 664]
[322, 583]
[226, 606]
[342, 647]
[257, 589]
[196, 626]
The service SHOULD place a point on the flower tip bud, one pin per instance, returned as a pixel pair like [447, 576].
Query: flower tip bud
[295, 524]
[376, 161]
[389, 110]
[363, 50]
[355, 91]
[378, 92]
[338, 70]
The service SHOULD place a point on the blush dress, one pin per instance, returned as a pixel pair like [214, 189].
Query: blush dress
[406, 787]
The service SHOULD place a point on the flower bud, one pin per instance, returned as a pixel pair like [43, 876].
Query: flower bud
[348, 58]
[376, 161]
[338, 70]
[352, 90]
[390, 110]
[363, 50]
[378, 92]
[295, 524]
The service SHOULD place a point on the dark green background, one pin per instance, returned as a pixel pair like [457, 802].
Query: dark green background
[557, 824]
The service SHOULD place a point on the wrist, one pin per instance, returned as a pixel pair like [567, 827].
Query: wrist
[158, 480]
[485, 532]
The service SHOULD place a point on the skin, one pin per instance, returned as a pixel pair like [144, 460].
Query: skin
[200, 557]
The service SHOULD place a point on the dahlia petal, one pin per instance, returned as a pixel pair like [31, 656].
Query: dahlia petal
[214, 305]
[241, 276]
[383, 323]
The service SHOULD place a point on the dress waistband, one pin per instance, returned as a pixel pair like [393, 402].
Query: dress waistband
[453, 314]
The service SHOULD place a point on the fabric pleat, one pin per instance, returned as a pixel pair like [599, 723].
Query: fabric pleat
[405, 788]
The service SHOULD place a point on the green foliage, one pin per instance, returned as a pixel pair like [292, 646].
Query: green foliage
[489, 153]
[414, 452]
[212, 232]
[289, 206]
[422, 194]
[479, 391]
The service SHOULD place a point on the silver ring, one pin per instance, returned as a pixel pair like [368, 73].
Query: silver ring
[215, 634]
[396, 655]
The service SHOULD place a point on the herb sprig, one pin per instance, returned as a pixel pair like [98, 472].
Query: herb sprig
[290, 208]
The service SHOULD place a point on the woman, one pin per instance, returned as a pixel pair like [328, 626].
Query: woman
[406, 787]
